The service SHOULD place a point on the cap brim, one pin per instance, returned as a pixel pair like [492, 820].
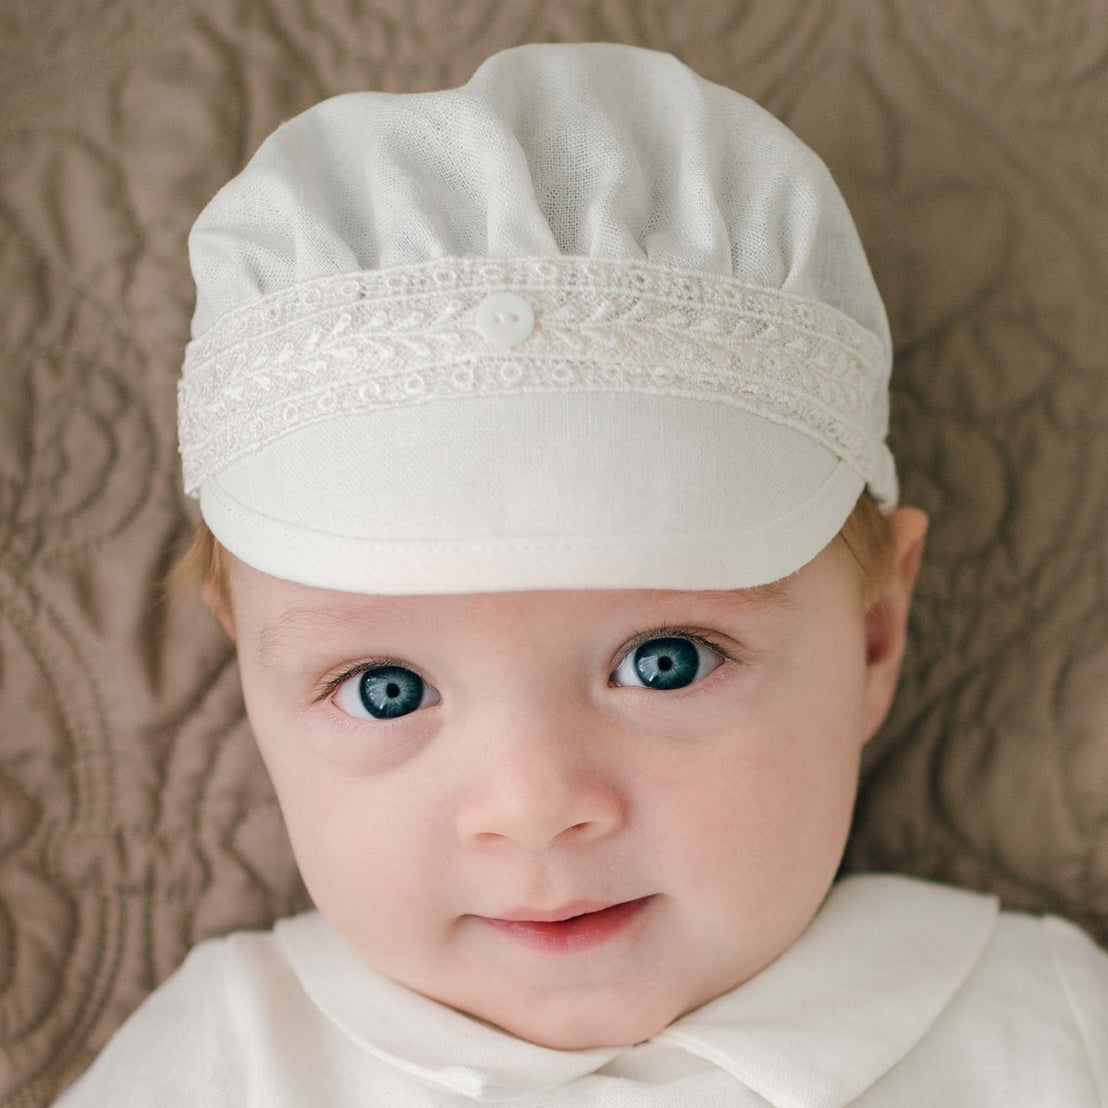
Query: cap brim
[534, 491]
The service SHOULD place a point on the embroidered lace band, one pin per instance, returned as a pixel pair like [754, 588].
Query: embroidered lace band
[350, 343]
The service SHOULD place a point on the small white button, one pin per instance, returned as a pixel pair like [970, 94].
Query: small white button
[505, 319]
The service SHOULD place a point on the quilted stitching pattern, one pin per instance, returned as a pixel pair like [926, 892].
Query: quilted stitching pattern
[968, 137]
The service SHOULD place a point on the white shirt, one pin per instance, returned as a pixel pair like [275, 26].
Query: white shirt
[900, 992]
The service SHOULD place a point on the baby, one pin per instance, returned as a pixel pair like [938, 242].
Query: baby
[538, 429]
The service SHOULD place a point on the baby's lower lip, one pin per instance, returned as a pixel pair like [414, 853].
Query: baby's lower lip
[578, 933]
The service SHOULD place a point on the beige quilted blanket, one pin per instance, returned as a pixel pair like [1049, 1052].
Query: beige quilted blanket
[970, 138]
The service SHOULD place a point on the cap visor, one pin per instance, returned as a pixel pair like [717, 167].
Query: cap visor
[534, 491]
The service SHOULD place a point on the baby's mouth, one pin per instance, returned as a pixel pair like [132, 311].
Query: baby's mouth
[575, 926]
[567, 911]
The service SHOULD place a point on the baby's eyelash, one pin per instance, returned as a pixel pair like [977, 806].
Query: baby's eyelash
[331, 685]
[666, 631]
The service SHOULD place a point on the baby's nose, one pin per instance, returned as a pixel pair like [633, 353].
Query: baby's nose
[539, 792]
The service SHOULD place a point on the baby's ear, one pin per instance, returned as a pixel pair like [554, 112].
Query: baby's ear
[218, 603]
[887, 615]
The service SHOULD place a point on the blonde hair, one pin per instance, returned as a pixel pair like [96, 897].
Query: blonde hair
[866, 534]
[205, 565]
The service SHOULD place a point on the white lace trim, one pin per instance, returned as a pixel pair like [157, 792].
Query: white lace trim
[350, 343]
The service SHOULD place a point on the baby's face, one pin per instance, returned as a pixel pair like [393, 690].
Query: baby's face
[443, 762]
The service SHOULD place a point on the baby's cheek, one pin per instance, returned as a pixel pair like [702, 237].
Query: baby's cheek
[366, 866]
[773, 810]
[746, 855]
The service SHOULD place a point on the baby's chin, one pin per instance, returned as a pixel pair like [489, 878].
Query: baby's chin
[584, 1027]
[569, 1019]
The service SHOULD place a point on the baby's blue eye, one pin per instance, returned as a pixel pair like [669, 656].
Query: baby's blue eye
[382, 692]
[666, 663]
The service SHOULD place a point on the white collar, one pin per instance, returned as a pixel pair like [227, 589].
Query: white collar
[814, 1029]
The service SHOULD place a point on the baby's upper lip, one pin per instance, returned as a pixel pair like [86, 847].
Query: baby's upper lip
[553, 915]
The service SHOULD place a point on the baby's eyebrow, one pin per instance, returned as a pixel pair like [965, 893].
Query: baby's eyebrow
[734, 603]
[294, 621]
[774, 595]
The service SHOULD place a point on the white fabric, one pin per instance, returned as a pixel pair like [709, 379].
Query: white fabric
[407, 530]
[586, 252]
[900, 992]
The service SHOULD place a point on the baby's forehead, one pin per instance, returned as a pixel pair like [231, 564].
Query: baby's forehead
[291, 608]
[294, 601]
[281, 619]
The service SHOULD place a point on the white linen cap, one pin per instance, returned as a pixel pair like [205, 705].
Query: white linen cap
[586, 321]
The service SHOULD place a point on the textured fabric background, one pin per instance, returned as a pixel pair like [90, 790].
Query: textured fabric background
[969, 138]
